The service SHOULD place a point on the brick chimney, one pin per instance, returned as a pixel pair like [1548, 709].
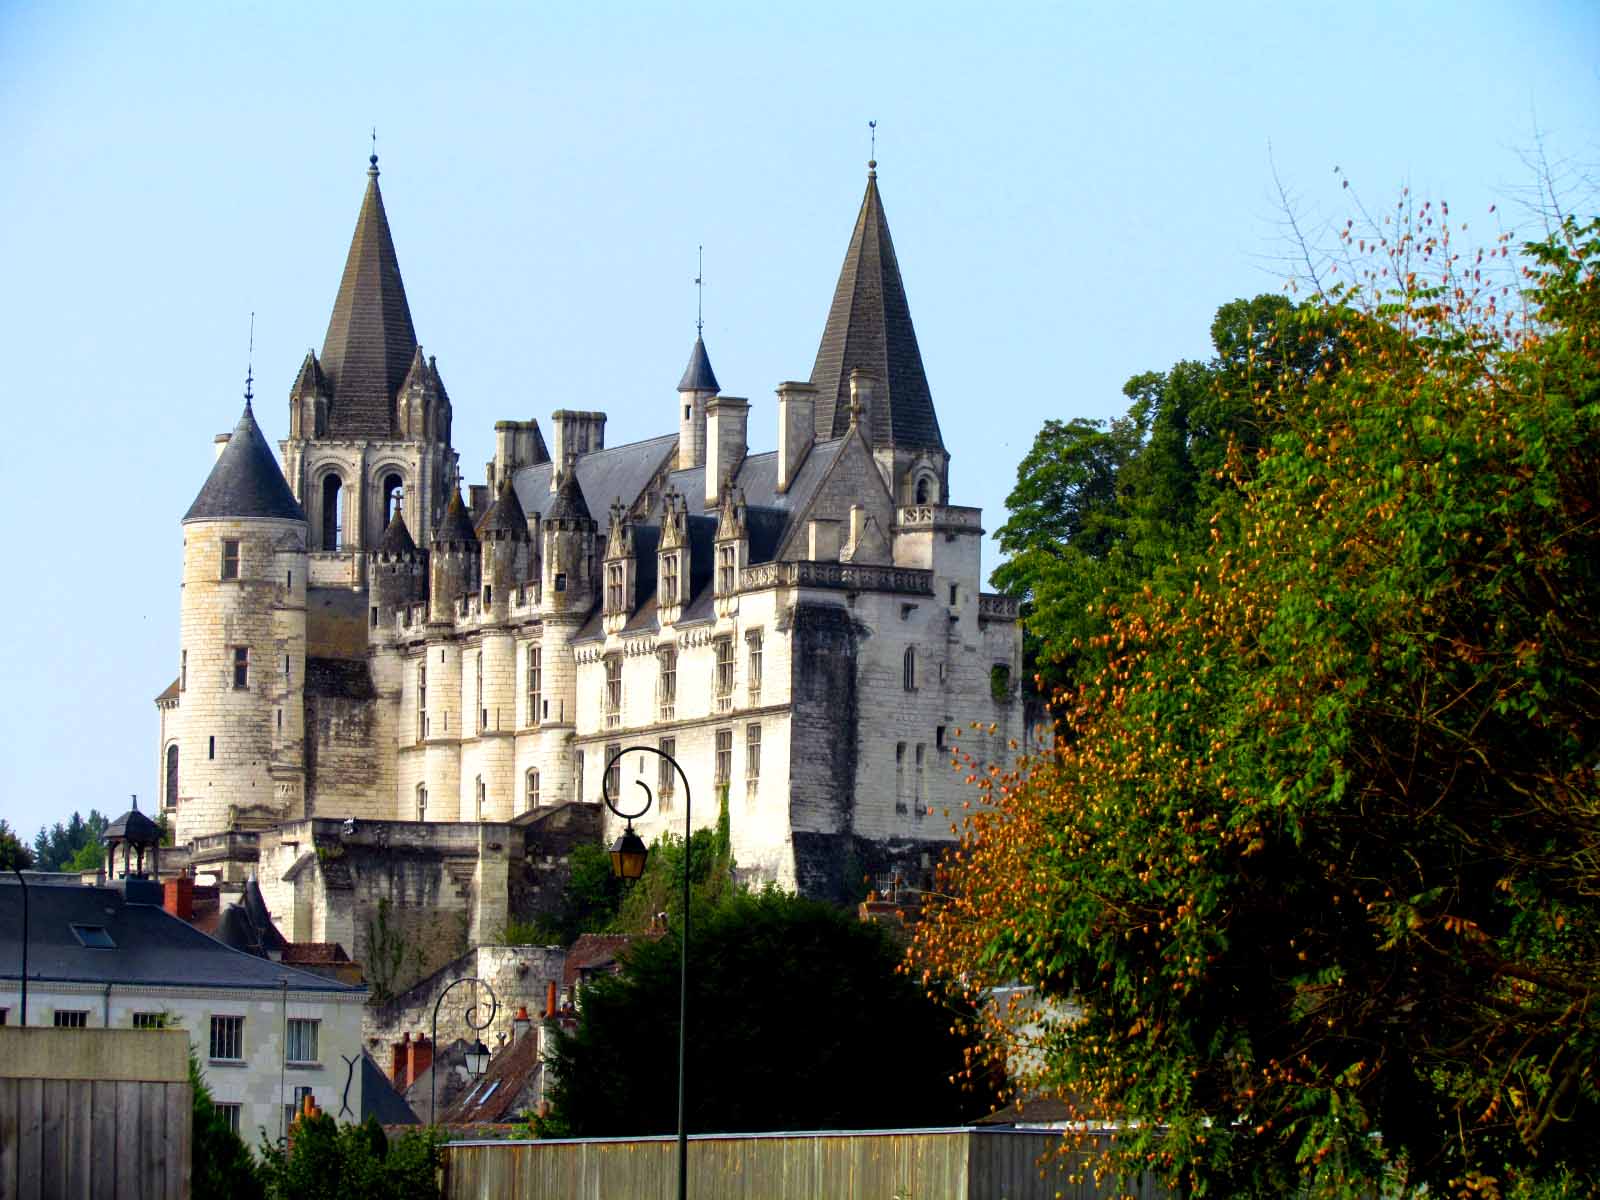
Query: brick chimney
[550, 1000]
[399, 1061]
[177, 897]
[419, 1059]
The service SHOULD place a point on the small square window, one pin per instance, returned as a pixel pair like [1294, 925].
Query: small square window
[229, 1113]
[241, 667]
[227, 1038]
[302, 1044]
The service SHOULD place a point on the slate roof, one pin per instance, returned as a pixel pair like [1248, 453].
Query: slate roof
[869, 326]
[370, 340]
[132, 826]
[152, 945]
[505, 515]
[379, 1099]
[397, 538]
[616, 473]
[456, 526]
[698, 375]
[245, 480]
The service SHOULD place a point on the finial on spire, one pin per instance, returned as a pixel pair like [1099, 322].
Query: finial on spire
[700, 294]
[250, 363]
[373, 160]
[872, 162]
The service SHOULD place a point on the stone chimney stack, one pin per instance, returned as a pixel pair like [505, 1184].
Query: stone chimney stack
[861, 400]
[178, 897]
[727, 425]
[219, 444]
[575, 434]
[797, 429]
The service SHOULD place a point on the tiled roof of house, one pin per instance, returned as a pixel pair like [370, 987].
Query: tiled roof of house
[503, 1092]
[245, 480]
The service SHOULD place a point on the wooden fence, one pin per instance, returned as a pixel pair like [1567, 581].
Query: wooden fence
[917, 1164]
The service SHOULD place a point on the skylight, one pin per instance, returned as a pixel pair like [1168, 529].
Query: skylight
[94, 936]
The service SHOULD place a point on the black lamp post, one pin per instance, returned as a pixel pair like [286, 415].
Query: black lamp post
[628, 854]
[477, 1053]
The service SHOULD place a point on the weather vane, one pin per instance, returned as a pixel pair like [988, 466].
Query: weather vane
[700, 294]
[873, 125]
[250, 360]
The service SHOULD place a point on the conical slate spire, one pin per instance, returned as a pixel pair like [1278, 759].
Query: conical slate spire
[456, 526]
[698, 375]
[370, 340]
[505, 515]
[869, 326]
[245, 480]
[569, 504]
[397, 541]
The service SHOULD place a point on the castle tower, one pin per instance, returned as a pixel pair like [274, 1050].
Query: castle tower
[567, 561]
[369, 420]
[397, 572]
[242, 644]
[869, 329]
[698, 385]
[506, 554]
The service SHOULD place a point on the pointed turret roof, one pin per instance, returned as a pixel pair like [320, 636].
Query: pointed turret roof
[311, 380]
[456, 526]
[370, 340]
[869, 326]
[569, 504]
[397, 539]
[698, 375]
[505, 515]
[245, 480]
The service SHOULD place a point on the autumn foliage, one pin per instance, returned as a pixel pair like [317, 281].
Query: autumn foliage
[1315, 858]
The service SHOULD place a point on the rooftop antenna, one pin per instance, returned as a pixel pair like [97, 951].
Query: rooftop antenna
[872, 162]
[250, 360]
[374, 159]
[700, 294]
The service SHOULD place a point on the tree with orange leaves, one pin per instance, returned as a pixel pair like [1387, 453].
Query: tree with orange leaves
[1316, 856]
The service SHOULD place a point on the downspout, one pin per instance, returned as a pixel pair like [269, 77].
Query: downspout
[24, 883]
[283, 1061]
[105, 1008]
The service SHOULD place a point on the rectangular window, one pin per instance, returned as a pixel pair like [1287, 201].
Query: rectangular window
[5, 1014]
[613, 692]
[724, 679]
[666, 777]
[727, 564]
[302, 1046]
[532, 793]
[724, 769]
[753, 640]
[229, 1113]
[577, 775]
[938, 738]
[150, 1020]
[292, 1112]
[227, 1038]
[535, 682]
[481, 793]
[241, 667]
[614, 771]
[230, 558]
[211, 747]
[483, 713]
[752, 756]
[614, 587]
[900, 777]
[71, 1018]
[94, 937]
[922, 790]
[667, 686]
[422, 700]
[669, 578]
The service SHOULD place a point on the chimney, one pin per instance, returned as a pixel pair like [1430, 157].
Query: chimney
[822, 537]
[727, 423]
[516, 445]
[219, 444]
[177, 897]
[550, 1000]
[797, 429]
[861, 400]
[398, 1054]
[858, 522]
[419, 1058]
[576, 434]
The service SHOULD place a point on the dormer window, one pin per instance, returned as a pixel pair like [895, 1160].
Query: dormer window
[727, 569]
[669, 579]
[614, 601]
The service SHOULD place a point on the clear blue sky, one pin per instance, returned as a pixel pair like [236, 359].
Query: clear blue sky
[1073, 190]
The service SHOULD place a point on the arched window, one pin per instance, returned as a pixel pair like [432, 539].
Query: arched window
[922, 490]
[909, 669]
[422, 802]
[533, 789]
[172, 775]
[332, 517]
[393, 495]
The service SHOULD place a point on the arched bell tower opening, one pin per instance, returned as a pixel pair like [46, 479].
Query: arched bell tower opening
[394, 494]
[332, 513]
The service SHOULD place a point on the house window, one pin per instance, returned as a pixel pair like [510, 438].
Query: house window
[724, 678]
[753, 640]
[532, 788]
[613, 691]
[172, 775]
[669, 578]
[938, 738]
[667, 683]
[422, 700]
[724, 767]
[666, 777]
[422, 802]
[5, 1014]
[150, 1020]
[535, 682]
[241, 667]
[71, 1018]
[230, 558]
[577, 774]
[227, 1038]
[561, 581]
[292, 1112]
[614, 770]
[229, 1113]
[908, 669]
[752, 756]
[302, 1040]
[183, 671]
[953, 593]
[613, 587]
[727, 564]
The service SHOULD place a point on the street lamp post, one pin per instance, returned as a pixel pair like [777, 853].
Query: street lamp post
[477, 1053]
[628, 856]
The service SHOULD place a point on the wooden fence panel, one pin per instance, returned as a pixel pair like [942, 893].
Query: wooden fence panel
[83, 1139]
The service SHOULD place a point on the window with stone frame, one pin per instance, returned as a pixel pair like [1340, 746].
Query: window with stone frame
[753, 674]
[227, 1038]
[614, 771]
[669, 578]
[727, 569]
[422, 802]
[577, 775]
[666, 777]
[302, 1040]
[482, 793]
[724, 762]
[922, 788]
[752, 756]
[900, 777]
[724, 675]
[422, 700]
[230, 558]
[241, 667]
[172, 776]
[613, 690]
[531, 791]
[483, 713]
[908, 669]
[667, 682]
[614, 577]
[535, 682]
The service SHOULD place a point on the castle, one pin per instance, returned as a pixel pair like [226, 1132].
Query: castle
[389, 689]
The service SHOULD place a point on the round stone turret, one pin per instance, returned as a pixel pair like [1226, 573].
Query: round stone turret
[453, 562]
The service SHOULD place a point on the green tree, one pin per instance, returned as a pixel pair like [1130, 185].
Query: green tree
[329, 1161]
[798, 1019]
[220, 1164]
[1316, 859]
[12, 852]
